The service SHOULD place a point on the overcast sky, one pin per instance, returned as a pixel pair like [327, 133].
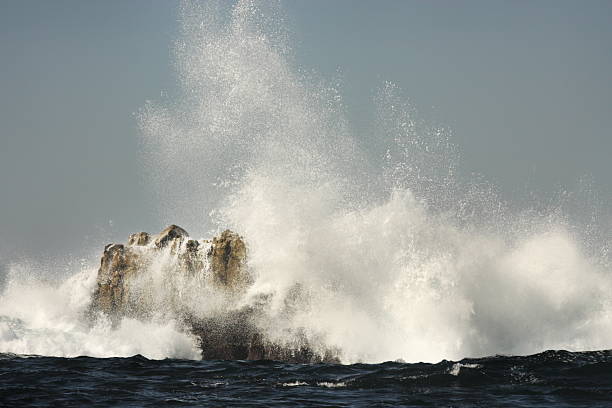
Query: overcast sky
[526, 88]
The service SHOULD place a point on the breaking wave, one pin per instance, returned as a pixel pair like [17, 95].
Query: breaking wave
[396, 257]
[40, 316]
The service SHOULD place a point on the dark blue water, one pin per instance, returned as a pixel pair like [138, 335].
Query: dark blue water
[552, 378]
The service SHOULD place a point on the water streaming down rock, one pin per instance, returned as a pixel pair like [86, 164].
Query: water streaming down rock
[125, 288]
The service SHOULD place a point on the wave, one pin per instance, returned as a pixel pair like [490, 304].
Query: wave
[558, 378]
[398, 256]
[42, 317]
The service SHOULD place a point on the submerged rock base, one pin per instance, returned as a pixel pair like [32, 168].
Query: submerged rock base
[171, 274]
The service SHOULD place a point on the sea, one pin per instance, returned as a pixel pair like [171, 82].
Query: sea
[551, 378]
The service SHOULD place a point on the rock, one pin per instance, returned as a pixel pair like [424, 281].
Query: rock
[139, 239]
[192, 245]
[118, 263]
[227, 256]
[122, 263]
[173, 259]
[191, 260]
[170, 235]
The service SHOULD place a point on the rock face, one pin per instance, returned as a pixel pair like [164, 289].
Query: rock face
[140, 238]
[173, 235]
[117, 265]
[121, 264]
[227, 255]
[219, 265]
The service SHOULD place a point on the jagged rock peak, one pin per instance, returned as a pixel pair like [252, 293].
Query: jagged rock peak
[139, 239]
[170, 234]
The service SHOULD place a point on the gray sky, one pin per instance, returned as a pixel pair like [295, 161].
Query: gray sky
[525, 86]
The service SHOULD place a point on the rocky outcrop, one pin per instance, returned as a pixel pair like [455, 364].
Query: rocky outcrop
[227, 255]
[223, 260]
[218, 266]
[117, 265]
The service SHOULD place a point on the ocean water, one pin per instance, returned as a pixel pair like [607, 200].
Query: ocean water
[552, 378]
[395, 255]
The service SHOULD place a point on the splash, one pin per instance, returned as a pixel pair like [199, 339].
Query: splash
[395, 257]
[41, 317]
[383, 258]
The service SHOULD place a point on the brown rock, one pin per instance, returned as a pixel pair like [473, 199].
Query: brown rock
[227, 258]
[118, 263]
[231, 333]
[191, 260]
[139, 239]
[171, 234]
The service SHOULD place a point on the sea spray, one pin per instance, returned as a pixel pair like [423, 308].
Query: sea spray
[396, 257]
[42, 317]
[411, 262]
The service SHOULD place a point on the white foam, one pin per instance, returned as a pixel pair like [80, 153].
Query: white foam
[294, 384]
[327, 384]
[397, 258]
[456, 368]
[44, 318]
